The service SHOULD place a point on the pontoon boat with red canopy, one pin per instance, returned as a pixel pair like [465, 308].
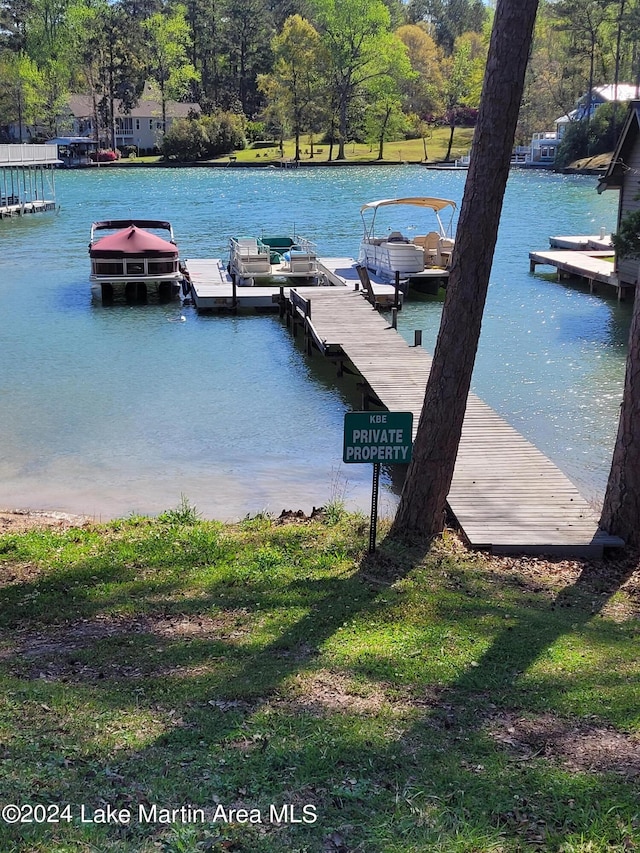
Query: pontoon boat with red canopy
[133, 260]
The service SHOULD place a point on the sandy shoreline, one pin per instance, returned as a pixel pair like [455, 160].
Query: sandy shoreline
[19, 520]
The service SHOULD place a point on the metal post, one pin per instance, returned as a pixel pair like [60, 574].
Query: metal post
[374, 507]
[234, 295]
[396, 300]
[394, 318]
[417, 337]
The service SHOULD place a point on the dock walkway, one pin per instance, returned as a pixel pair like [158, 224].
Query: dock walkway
[212, 287]
[506, 495]
[589, 265]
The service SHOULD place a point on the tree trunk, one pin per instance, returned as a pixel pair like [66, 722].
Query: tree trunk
[621, 508]
[423, 501]
[452, 130]
[342, 129]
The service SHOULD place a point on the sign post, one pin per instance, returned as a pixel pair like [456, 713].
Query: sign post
[377, 437]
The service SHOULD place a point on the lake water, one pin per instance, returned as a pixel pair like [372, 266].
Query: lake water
[122, 409]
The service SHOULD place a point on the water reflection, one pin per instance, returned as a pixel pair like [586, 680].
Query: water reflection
[114, 409]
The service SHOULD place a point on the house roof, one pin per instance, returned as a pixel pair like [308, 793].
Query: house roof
[614, 175]
[81, 106]
[619, 92]
[71, 140]
[611, 93]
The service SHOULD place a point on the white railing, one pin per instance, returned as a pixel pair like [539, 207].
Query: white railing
[28, 155]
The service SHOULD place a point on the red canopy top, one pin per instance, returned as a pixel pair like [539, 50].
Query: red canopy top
[132, 241]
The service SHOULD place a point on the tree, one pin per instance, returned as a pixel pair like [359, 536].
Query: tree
[457, 89]
[449, 18]
[295, 79]
[168, 63]
[247, 32]
[584, 20]
[384, 118]
[359, 48]
[424, 90]
[621, 508]
[21, 91]
[423, 500]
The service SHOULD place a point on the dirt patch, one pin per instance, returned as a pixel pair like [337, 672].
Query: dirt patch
[18, 521]
[60, 652]
[323, 693]
[580, 746]
[611, 586]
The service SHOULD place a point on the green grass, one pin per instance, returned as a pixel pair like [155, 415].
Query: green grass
[403, 151]
[413, 700]
[409, 151]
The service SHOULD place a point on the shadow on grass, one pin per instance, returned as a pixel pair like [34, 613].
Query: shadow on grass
[431, 774]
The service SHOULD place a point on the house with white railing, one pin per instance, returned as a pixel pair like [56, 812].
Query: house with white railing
[541, 151]
[140, 127]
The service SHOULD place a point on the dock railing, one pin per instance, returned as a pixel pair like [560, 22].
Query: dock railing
[28, 155]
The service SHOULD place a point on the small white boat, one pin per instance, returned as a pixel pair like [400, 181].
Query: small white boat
[133, 261]
[415, 253]
[255, 260]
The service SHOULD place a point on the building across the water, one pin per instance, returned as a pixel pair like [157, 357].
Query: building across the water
[74, 150]
[541, 151]
[27, 183]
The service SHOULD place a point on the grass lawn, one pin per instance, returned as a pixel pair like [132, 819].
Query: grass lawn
[271, 687]
[409, 151]
[405, 151]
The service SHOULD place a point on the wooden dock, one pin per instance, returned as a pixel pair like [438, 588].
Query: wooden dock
[506, 495]
[590, 266]
[212, 287]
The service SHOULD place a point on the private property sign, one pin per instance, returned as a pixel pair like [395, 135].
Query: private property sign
[378, 437]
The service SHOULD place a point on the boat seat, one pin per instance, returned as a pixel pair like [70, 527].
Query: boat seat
[249, 256]
[247, 245]
[431, 244]
[446, 250]
[301, 262]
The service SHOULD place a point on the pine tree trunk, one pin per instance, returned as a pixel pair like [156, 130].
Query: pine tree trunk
[423, 501]
[621, 508]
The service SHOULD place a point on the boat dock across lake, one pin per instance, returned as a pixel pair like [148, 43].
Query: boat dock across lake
[26, 179]
[506, 495]
[588, 258]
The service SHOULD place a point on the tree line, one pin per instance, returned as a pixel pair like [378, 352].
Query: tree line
[340, 70]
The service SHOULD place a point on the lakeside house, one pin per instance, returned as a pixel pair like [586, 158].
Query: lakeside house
[140, 127]
[541, 151]
[623, 175]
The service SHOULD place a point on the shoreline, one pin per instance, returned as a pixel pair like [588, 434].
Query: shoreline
[434, 165]
[21, 520]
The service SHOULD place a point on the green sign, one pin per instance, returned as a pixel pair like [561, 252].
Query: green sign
[378, 437]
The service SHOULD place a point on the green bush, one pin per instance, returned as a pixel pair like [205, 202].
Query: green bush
[186, 140]
[588, 139]
[204, 137]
